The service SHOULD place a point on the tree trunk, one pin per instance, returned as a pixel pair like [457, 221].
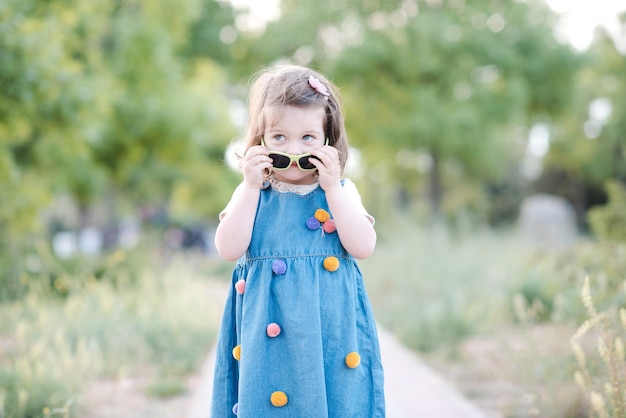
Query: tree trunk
[434, 186]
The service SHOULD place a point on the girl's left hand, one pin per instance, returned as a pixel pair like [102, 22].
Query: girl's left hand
[328, 167]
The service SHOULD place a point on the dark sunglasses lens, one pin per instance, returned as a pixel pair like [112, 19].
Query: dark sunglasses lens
[305, 163]
[280, 161]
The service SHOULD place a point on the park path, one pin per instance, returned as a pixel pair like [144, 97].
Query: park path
[412, 389]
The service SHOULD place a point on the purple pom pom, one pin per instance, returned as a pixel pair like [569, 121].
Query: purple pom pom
[236, 409]
[279, 267]
[313, 223]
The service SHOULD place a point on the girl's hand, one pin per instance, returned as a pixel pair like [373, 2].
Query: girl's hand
[254, 164]
[328, 167]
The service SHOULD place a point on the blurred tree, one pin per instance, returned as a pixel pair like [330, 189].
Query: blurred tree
[118, 105]
[47, 109]
[170, 111]
[107, 98]
[434, 91]
[449, 85]
[588, 142]
[212, 32]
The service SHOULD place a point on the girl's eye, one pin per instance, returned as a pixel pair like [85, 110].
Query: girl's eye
[308, 138]
[279, 137]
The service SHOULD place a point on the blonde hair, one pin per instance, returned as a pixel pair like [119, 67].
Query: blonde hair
[288, 85]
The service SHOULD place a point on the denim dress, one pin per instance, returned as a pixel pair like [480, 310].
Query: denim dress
[298, 338]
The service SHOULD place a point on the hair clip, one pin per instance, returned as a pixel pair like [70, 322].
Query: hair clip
[318, 86]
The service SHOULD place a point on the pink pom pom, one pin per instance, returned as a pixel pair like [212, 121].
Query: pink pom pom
[240, 286]
[329, 226]
[273, 330]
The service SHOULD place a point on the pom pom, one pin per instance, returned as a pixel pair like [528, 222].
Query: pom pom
[353, 360]
[273, 330]
[313, 223]
[278, 399]
[331, 263]
[279, 267]
[321, 215]
[237, 352]
[236, 409]
[329, 226]
[240, 286]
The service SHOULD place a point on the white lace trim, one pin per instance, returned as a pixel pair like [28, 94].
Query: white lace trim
[283, 187]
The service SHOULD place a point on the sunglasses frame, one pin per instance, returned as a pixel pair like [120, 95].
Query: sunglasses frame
[292, 158]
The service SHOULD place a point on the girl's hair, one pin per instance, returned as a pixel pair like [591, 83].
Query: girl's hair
[281, 85]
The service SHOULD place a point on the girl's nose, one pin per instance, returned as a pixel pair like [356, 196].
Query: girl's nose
[295, 151]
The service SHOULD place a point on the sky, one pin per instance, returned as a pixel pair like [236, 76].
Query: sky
[579, 18]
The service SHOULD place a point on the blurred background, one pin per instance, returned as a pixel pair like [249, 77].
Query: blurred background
[489, 141]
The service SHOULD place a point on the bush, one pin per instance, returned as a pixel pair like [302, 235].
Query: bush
[52, 348]
[609, 222]
[22, 396]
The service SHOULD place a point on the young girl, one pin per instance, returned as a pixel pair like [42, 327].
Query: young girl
[298, 338]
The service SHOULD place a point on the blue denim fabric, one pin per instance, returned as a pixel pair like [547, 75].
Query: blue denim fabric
[323, 316]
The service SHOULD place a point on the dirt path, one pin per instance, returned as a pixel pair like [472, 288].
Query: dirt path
[412, 389]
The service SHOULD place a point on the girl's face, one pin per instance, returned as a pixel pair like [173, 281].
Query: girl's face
[295, 130]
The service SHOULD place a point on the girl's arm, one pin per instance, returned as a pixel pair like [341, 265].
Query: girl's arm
[234, 231]
[355, 230]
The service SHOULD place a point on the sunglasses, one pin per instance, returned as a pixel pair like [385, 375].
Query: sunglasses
[282, 160]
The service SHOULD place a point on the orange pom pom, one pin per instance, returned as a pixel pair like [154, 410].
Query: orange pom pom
[353, 360]
[237, 352]
[278, 399]
[321, 215]
[331, 263]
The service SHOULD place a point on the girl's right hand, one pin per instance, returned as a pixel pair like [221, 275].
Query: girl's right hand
[254, 164]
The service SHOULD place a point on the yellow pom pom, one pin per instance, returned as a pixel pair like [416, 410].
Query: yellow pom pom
[278, 399]
[321, 215]
[237, 352]
[331, 263]
[353, 360]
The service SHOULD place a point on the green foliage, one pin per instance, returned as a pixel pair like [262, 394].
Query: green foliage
[431, 303]
[487, 308]
[546, 285]
[111, 104]
[587, 150]
[462, 86]
[166, 387]
[22, 396]
[34, 267]
[53, 348]
[609, 222]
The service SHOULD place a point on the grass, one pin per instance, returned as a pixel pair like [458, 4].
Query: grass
[493, 314]
[433, 289]
[159, 324]
[489, 312]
